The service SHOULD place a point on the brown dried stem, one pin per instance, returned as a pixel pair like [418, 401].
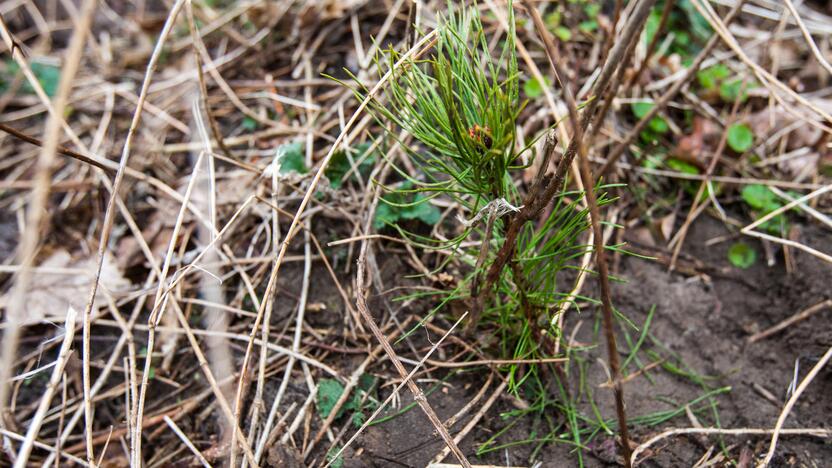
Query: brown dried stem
[654, 42]
[418, 395]
[532, 209]
[595, 220]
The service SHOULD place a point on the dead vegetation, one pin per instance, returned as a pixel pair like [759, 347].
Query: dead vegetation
[202, 264]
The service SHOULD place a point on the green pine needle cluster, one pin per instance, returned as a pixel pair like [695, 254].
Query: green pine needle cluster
[459, 106]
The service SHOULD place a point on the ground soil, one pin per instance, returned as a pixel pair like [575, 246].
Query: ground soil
[706, 320]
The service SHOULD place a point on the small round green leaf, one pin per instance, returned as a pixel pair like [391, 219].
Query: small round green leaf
[563, 33]
[742, 255]
[710, 77]
[552, 20]
[533, 88]
[641, 108]
[659, 125]
[290, 158]
[760, 197]
[740, 138]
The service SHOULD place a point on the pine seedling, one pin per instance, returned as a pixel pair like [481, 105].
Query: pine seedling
[459, 104]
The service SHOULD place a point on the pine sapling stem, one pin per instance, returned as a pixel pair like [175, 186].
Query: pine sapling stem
[476, 297]
[595, 221]
[606, 300]
[629, 37]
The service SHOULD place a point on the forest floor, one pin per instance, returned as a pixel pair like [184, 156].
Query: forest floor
[247, 206]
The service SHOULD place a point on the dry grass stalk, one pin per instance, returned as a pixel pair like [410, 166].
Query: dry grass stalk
[324, 120]
[591, 197]
[781, 419]
[818, 432]
[406, 380]
[46, 400]
[35, 215]
[802, 315]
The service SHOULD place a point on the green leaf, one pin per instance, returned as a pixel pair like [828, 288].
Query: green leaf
[290, 157]
[659, 125]
[682, 166]
[329, 391]
[335, 462]
[730, 91]
[652, 25]
[385, 214]
[249, 124]
[552, 20]
[400, 205]
[740, 138]
[424, 212]
[366, 382]
[588, 26]
[563, 33]
[710, 77]
[760, 197]
[640, 109]
[340, 164]
[533, 88]
[763, 201]
[389, 214]
[48, 76]
[742, 255]
[592, 10]
[682, 38]
[696, 23]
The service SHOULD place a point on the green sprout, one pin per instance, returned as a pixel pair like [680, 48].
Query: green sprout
[454, 110]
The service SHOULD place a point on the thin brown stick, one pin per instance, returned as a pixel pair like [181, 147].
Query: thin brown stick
[352, 382]
[59, 149]
[185, 440]
[159, 307]
[815, 432]
[808, 37]
[215, 387]
[476, 297]
[749, 230]
[203, 88]
[493, 362]
[46, 399]
[692, 213]
[110, 166]
[616, 17]
[418, 395]
[629, 37]
[109, 216]
[778, 427]
[654, 42]
[35, 215]
[451, 422]
[361, 292]
[763, 76]
[474, 420]
[803, 315]
[611, 92]
[405, 381]
[598, 234]
[41, 445]
[345, 394]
